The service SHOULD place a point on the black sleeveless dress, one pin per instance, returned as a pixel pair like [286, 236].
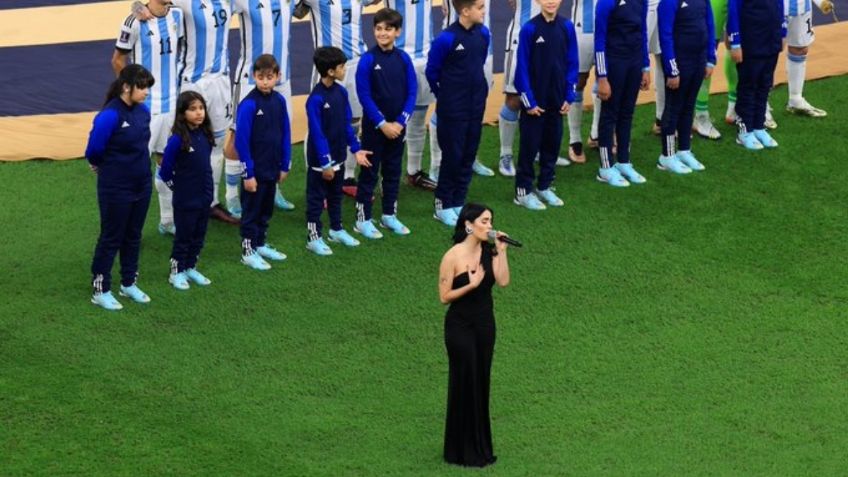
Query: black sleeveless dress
[470, 343]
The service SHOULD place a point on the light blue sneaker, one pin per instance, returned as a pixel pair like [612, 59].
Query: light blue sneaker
[342, 237]
[197, 277]
[457, 210]
[366, 229]
[318, 247]
[672, 164]
[282, 203]
[629, 172]
[134, 293]
[529, 201]
[686, 157]
[392, 223]
[505, 166]
[446, 216]
[179, 281]
[611, 176]
[749, 141]
[255, 261]
[550, 198]
[167, 229]
[434, 175]
[765, 138]
[234, 207]
[481, 170]
[269, 252]
[106, 301]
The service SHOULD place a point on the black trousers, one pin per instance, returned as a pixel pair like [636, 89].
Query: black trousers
[679, 109]
[121, 224]
[386, 158]
[257, 209]
[756, 77]
[317, 191]
[539, 135]
[624, 76]
[459, 141]
[190, 227]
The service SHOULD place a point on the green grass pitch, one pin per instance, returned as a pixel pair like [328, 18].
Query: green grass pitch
[691, 326]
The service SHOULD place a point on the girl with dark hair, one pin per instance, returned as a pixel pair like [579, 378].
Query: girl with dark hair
[187, 170]
[466, 276]
[117, 152]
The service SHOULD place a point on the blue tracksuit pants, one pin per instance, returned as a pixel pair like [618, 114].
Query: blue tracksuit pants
[386, 158]
[624, 76]
[539, 135]
[121, 224]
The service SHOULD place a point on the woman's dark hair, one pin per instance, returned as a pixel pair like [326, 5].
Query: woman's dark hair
[134, 76]
[181, 127]
[469, 213]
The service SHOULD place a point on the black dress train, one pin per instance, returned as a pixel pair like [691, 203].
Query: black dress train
[470, 343]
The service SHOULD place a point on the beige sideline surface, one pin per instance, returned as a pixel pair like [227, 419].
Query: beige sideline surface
[63, 136]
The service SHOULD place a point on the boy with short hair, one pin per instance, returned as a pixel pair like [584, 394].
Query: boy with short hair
[263, 143]
[330, 135]
[756, 31]
[456, 75]
[544, 79]
[387, 88]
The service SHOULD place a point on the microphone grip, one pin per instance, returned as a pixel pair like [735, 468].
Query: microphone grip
[511, 241]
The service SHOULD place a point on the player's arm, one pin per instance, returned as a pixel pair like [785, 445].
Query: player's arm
[363, 89]
[411, 90]
[602, 12]
[126, 40]
[734, 37]
[487, 34]
[572, 63]
[352, 141]
[285, 156]
[102, 128]
[301, 9]
[439, 50]
[244, 131]
[169, 159]
[522, 67]
[316, 132]
[666, 14]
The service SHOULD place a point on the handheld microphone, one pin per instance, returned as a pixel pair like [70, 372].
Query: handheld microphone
[493, 235]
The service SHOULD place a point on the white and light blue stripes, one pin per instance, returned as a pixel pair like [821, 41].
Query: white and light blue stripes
[417, 26]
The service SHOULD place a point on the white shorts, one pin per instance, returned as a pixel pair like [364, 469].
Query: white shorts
[586, 51]
[653, 31]
[241, 90]
[510, 60]
[425, 96]
[218, 94]
[800, 30]
[160, 131]
[349, 84]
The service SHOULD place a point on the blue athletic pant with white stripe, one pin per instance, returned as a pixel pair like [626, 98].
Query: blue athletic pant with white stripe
[756, 76]
[540, 135]
[121, 224]
[386, 158]
[317, 191]
[459, 140]
[190, 232]
[256, 211]
[624, 76]
[679, 109]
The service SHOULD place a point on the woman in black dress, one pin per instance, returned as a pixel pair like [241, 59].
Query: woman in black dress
[466, 276]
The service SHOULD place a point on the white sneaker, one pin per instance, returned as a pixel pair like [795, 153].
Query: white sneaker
[703, 125]
[803, 108]
[769, 123]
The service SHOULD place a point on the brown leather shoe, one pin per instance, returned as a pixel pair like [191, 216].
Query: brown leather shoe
[218, 212]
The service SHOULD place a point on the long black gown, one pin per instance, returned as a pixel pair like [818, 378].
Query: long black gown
[470, 343]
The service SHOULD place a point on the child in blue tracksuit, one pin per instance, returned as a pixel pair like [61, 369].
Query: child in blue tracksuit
[456, 77]
[688, 56]
[186, 169]
[622, 67]
[263, 143]
[330, 135]
[387, 88]
[545, 75]
[755, 30]
[117, 152]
